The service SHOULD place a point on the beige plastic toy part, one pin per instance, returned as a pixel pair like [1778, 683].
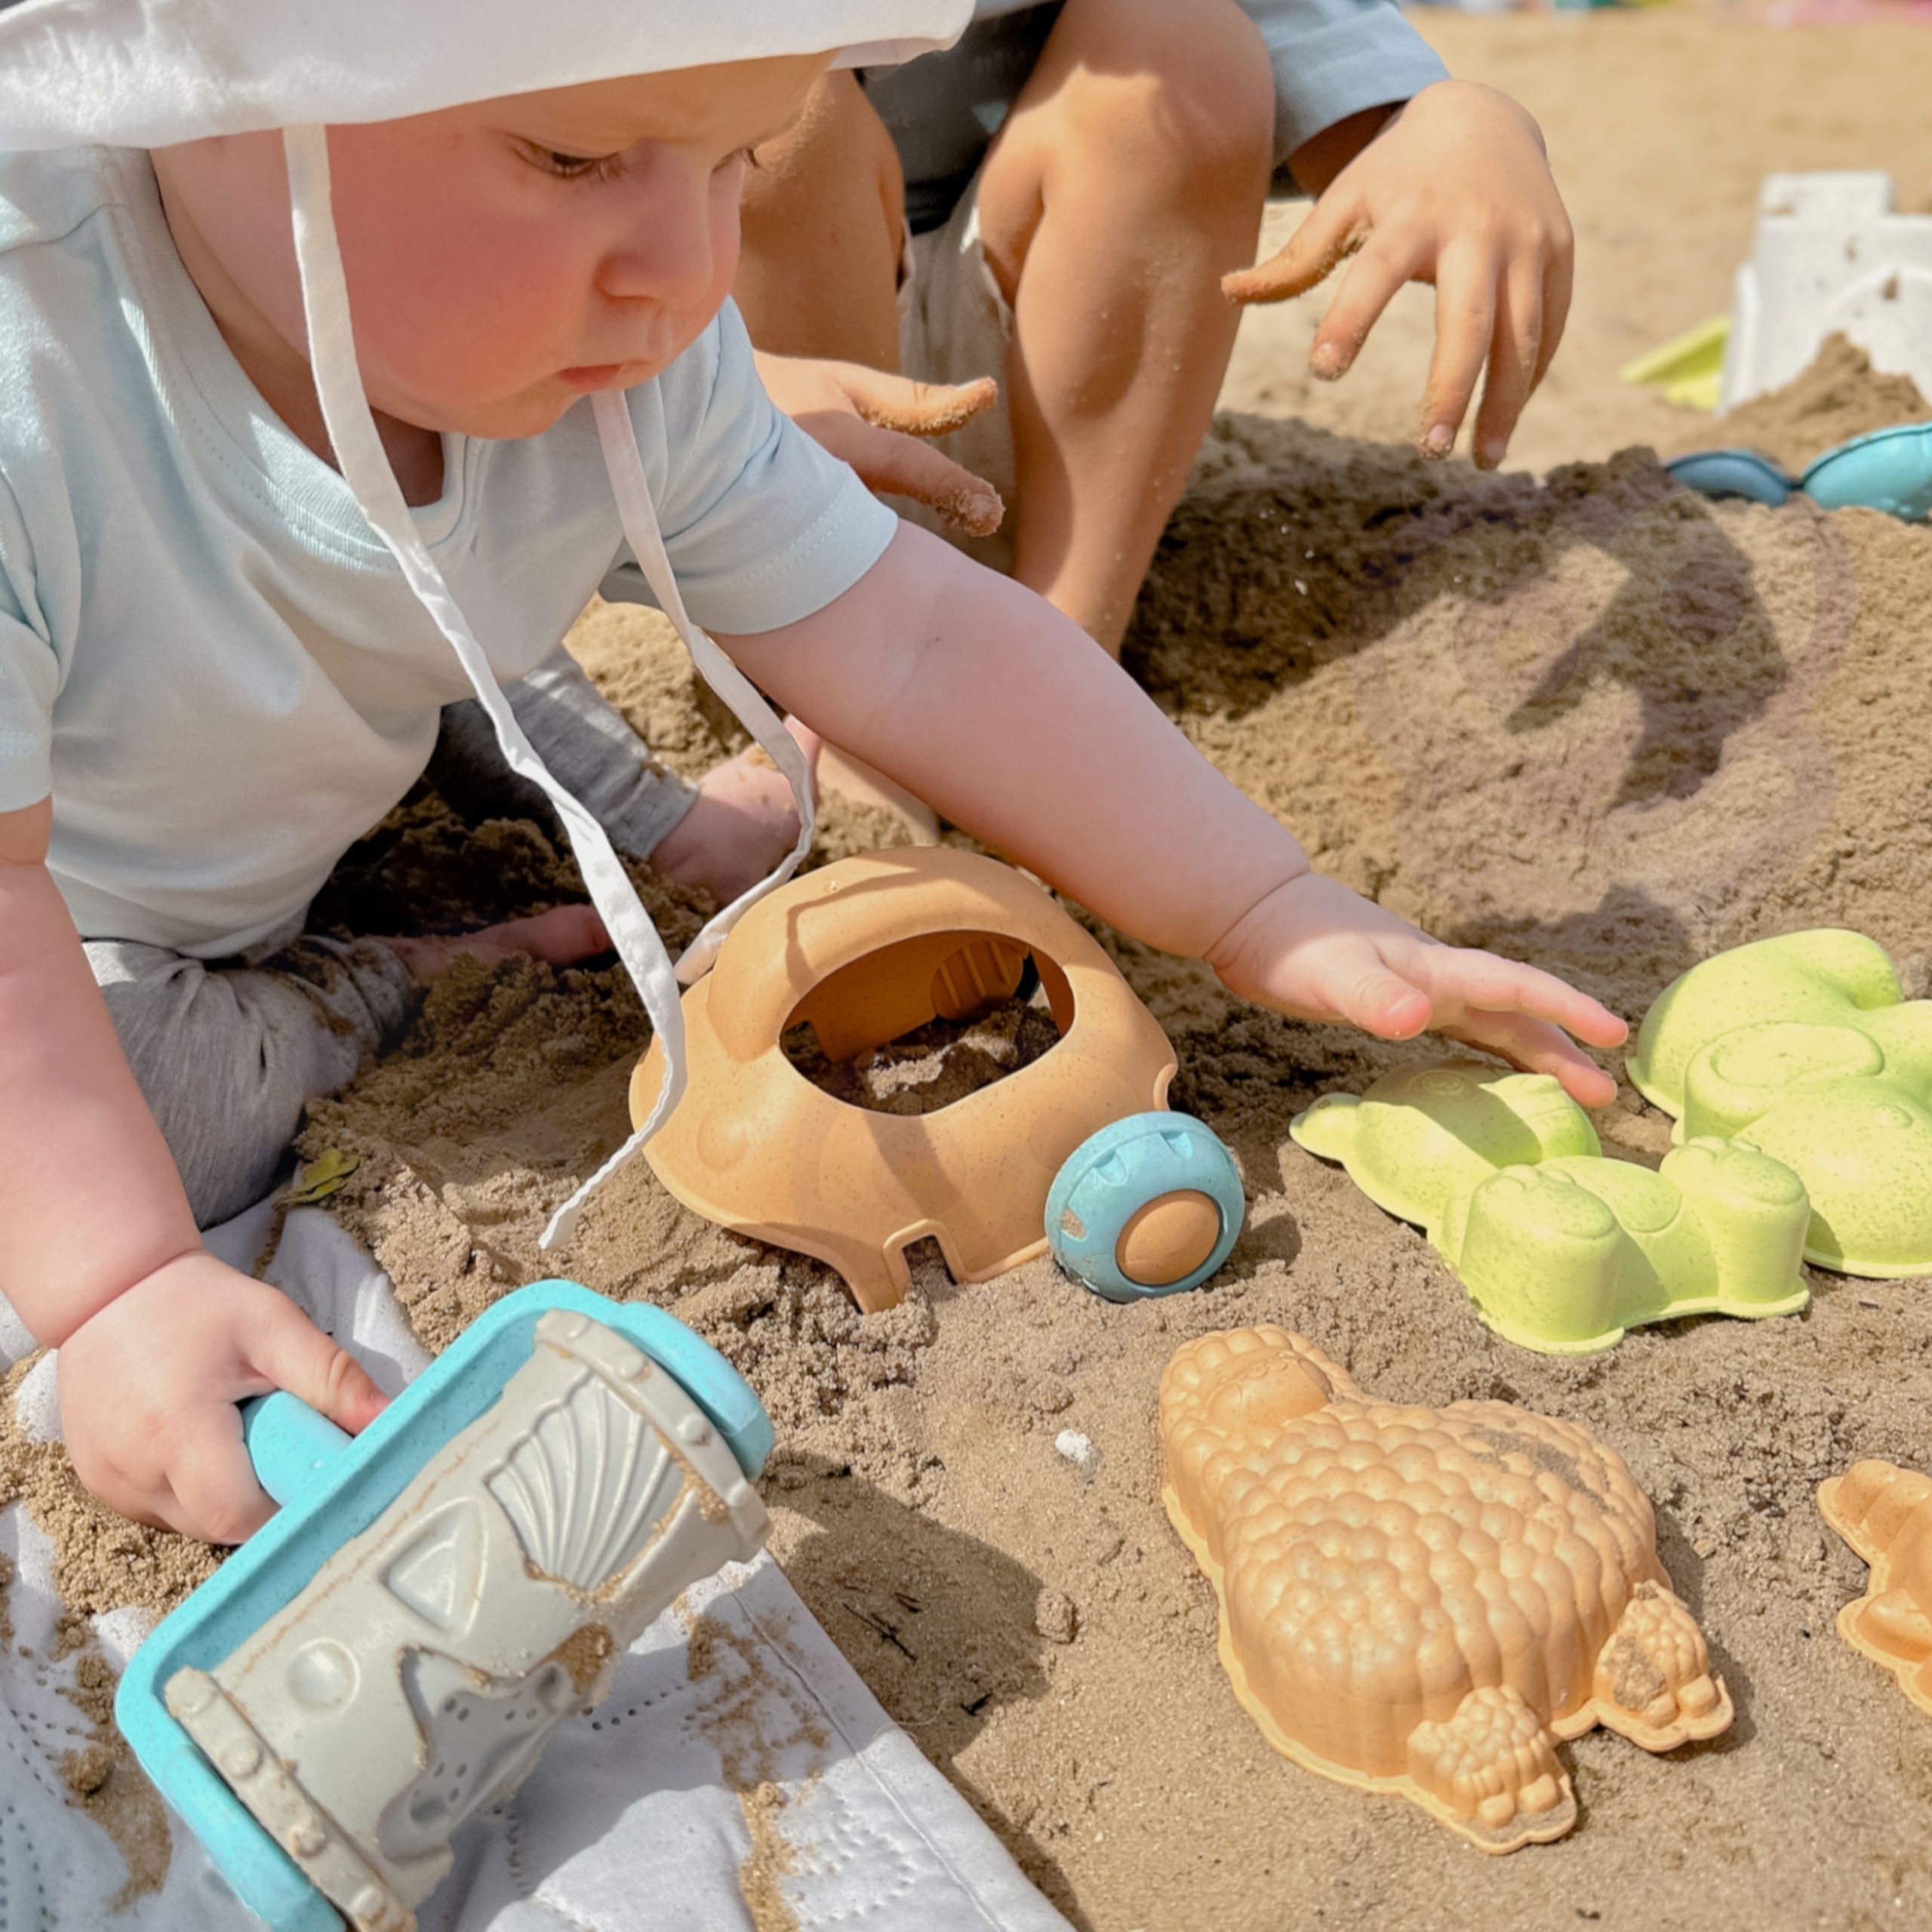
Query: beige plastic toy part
[866, 950]
[1885, 1513]
[1425, 1601]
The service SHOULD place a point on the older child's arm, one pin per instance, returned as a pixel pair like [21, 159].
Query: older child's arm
[101, 1257]
[950, 679]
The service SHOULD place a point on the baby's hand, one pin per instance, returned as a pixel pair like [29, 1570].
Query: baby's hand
[742, 822]
[149, 1386]
[1314, 949]
[1455, 190]
[874, 421]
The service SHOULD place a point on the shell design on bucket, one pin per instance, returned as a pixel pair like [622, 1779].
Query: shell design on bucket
[1806, 1048]
[587, 1488]
[1561, 1249]
[1885, 1513]
[1425, 1601]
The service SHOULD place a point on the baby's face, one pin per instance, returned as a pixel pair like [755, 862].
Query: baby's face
[502, 260]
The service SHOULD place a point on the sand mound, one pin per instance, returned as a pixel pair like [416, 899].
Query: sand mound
[1840, 396]
[1596, 722]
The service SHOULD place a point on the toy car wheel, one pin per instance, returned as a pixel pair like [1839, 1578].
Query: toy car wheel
[1150, 1205]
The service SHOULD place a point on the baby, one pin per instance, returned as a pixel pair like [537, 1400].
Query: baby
[1056, 200]
[213, 676]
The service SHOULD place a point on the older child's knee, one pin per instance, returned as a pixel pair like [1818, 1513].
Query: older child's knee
[1181, 94]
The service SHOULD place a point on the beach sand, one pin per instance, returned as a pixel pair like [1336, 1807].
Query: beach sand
[1590, 721]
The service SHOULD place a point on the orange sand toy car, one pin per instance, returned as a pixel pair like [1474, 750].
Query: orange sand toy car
[867, 950]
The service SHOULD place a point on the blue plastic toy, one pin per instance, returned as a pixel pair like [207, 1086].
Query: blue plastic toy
[1150, 1205]
[1732, 472]
[333, 1487]
[1889, 470]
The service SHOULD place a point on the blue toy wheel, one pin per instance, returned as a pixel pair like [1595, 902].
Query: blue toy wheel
[1150, 1205]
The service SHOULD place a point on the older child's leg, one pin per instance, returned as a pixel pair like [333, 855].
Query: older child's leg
[824, 215]
[227, 1057]
[1130, 176]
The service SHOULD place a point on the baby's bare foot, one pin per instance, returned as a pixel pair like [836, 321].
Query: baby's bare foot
[742, 823]
[561, 937]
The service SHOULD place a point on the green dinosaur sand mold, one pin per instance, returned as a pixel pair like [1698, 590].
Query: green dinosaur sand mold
[1805, 1048]
[1561, 1249]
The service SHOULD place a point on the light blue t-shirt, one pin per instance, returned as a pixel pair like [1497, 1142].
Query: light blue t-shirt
[206, 655]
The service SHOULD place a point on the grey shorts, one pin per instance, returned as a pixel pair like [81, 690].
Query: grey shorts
[228, 1053]
[944, 109]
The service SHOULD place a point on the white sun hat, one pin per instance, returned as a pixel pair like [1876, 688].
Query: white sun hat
[146, 73]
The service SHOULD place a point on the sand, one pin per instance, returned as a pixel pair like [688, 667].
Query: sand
[1593, 720]
[1839, 397]
[1589, 720]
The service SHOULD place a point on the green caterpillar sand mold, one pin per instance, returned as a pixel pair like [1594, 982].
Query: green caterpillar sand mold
[1561, 1249]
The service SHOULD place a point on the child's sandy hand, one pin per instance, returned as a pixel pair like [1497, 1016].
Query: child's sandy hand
[1455, 190]
[149, 1386]
[743, 822]
[873, 421]
[1315, 950]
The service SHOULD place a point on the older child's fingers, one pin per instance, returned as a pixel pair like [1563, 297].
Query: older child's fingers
[1336, 227]
[1558, 282]
[916, 409]
[1465, 323]
[1367, 290]
[888, 460]
[1515, 351]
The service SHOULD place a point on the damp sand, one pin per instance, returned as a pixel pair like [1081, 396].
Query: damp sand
[1590, 720]
[1593, 721]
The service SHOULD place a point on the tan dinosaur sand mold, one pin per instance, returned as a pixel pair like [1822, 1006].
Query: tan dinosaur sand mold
[1590, 720]
[1425, 1601]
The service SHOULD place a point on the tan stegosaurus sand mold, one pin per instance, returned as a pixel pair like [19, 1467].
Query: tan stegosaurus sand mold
[1885, 1513]
[1425, 1601]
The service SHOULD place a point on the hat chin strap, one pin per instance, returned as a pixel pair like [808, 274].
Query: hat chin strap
[365, 468]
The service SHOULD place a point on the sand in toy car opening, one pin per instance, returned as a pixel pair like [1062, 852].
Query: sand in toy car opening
[1590, 720]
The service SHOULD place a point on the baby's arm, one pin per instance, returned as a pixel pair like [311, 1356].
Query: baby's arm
[100, 1256]
[954, 681]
